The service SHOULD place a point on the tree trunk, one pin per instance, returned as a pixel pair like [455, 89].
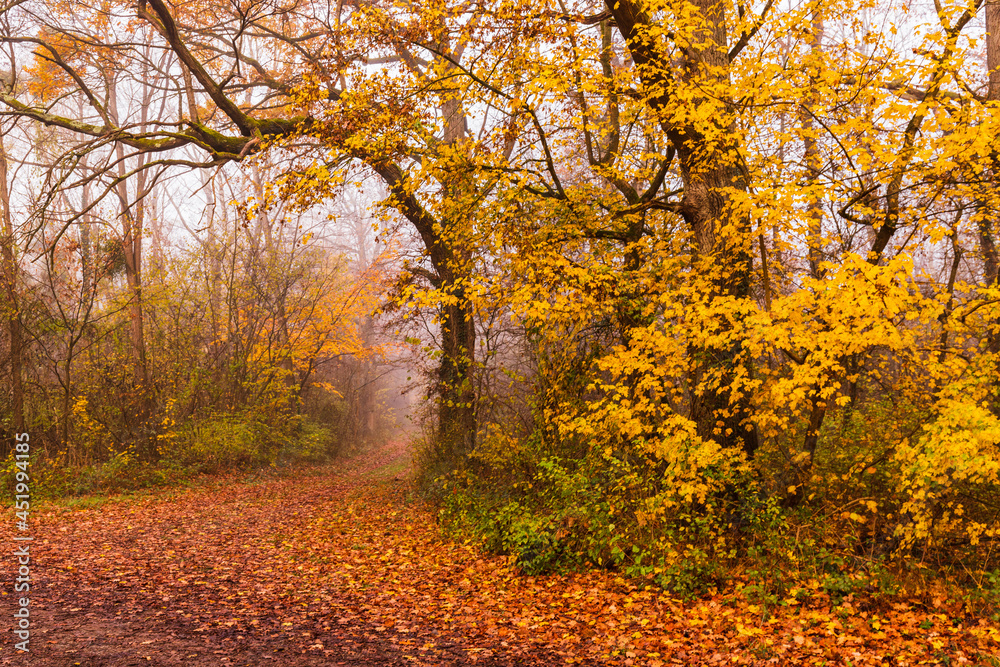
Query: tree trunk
[213, 254]
[67, 408]
[457, 410]
[457, 415]
[814, 239]
[993, 49]
[132, 216]
[10, 273]
[275, 281]
[987, 214]
[814, 162]
[132, 219]
[86, 242]
[710, 166]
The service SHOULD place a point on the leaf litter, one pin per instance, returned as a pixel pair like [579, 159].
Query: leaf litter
[340, 568]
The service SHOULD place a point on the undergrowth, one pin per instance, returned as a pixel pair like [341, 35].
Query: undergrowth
[209, 446]
[725, 527]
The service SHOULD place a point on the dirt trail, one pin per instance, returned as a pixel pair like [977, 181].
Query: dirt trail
[336, 567]
[215, 576]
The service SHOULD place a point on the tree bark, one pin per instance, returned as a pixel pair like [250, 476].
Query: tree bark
[988, 216]
[710, 167]
[814, 162]
[10, 274]
[455, 390]
[814, 239]
[275, 284]
[86, 242]
[457, 414]
[993, 49]
[132, 216]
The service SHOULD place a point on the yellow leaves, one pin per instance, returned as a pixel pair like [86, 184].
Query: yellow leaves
[856, 308]
[745, 631]
[326, 386]
[958, 446]
[802, 458]
[635, 321]
[90, 432]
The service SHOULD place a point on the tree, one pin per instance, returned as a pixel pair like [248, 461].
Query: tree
[706, 286]
[191, 81]
[11, 271]
[988, 225]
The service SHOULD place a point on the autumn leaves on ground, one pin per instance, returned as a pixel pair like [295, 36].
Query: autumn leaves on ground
[341, 566]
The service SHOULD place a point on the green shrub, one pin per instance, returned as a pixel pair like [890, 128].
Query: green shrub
[216, 444]
[221, 442]
[313, 443]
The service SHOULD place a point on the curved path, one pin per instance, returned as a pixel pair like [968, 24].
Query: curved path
[337, 567]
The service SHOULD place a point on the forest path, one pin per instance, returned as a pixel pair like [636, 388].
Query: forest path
[336, 567]
[332, 567]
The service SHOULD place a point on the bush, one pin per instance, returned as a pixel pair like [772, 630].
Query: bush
[312, 444]
[216, 444]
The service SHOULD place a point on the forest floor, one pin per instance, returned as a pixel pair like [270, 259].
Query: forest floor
[337, 566]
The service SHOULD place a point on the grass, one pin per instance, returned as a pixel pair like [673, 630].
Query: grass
[200, 481]
[393, 469]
